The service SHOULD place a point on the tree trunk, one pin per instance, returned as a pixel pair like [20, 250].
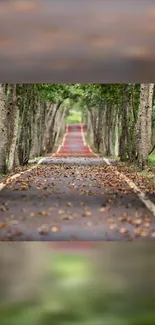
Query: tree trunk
[116, 150]
[124, 126]
[3, 130]
[14, 121]
[143, 125]
[60, 124]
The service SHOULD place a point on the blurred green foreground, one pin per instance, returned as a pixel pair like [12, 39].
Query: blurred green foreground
[110, 285]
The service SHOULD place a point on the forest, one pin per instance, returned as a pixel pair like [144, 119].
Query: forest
[119, 119]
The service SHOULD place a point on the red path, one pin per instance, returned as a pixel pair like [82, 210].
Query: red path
[73, 144]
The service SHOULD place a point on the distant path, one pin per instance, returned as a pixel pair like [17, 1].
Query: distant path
[73, 143]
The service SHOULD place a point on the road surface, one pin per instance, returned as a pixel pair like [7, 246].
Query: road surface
[75, 195]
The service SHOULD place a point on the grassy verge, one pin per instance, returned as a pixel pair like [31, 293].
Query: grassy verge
[65, 272]
[65, 303]
[152, 160]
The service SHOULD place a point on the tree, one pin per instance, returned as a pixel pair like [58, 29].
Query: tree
[3, 130]
[143, 125]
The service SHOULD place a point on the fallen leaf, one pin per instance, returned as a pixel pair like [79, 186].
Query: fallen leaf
[66, 217]
[69, 204]
[55, 229]
[146, 224]
[2, 225]
[44, 229]
[87, 213]
[15, 234]
[144, 233]
[147, 219]
[3, 208]
[103, 209]
[122, 219]
[113, 226]
[137, 222]
[137, 231]
[122, 230]
[32, 214]
[44, 213]
[61, 211]
[75, 215]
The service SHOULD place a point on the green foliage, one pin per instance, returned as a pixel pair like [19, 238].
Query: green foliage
[73, 117]
[152, 159]
[56, 92]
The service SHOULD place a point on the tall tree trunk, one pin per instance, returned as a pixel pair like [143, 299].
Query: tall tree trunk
[51, 128]
[3, 130]
[143, 124]
[124, 126]
[116, 150]
[25, 129]
[60, 124]
[14, 127]
[35, 122]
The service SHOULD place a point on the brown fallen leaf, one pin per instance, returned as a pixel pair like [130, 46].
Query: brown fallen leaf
[61, 211]
[137, 231]
[3, 208]
[122, 219]
[144, 233]
[104, 209]
[44, 229]
[75, 215]
[66, 217]
[147, 219]
[137, 222]
[147, 224]
[32, 214]
[44, 213]
[55, 228]
[129, 219]
[122, 230]
[15, 234]
[113, 226]
[87, 213]
[24, 188]
[2, 225]
[69, 204]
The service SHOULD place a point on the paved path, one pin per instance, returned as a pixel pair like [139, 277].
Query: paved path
[82, 199]
[73, 144]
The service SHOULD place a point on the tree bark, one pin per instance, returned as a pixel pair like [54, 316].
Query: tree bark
[14, 127]
[3, 130]
[143, 125]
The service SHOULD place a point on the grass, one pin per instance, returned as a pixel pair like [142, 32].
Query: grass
[63, 275]
[152, 159]
[68, 303]
[74, 117]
